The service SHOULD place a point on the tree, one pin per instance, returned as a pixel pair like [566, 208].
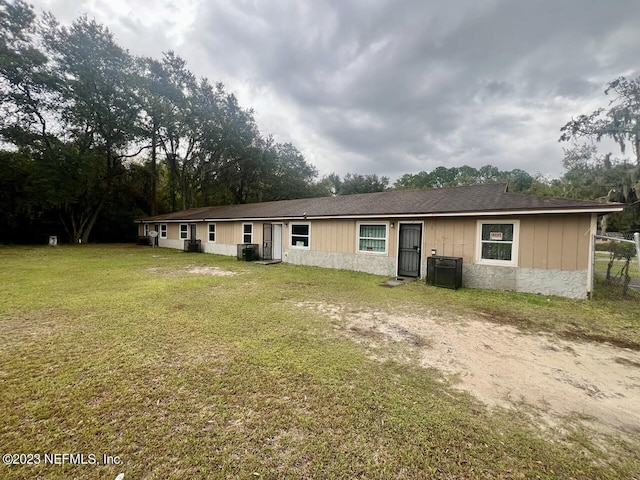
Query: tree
[76, 110]
[97, 81]
[601, 177]
[237, 157]
[288, 175]
[329, 185]
[17, 200]
[353, 183]
[70, 107]
[173, 119]
[518, 180]
[621, 180]
[620, 122]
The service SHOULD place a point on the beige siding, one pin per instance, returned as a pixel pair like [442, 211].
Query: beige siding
[229, 233]
[559, 242]
[451, 237]
[173, 231]
[540, 250]
[338, 236]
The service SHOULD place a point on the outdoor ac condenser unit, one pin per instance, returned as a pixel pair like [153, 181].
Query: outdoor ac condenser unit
[444, 271]
[248, 252]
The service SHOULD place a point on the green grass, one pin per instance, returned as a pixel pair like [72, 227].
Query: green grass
[116, 350]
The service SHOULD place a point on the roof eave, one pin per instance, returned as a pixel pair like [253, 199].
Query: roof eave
[478, 213]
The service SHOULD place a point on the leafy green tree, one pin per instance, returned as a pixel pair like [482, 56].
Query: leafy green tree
[518, 180]
[329, 185]
[100, 114]
[237, 156]
[488, 174]
[411, 181]
[77, 111]
[601, 177]
[288, 175]
[355, 183]
[174, 118]
[17, 197]
[620, 122]
[68, 104]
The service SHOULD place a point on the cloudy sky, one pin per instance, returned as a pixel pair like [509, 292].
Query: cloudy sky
[393, 87]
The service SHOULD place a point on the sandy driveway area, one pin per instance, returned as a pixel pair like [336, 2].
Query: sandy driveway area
[549, 378]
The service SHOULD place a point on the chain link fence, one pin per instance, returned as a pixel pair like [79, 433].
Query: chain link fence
[616, 267]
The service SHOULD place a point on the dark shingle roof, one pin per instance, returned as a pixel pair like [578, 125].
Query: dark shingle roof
[487, 198]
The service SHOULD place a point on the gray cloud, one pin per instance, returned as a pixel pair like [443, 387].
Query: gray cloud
[393, 87]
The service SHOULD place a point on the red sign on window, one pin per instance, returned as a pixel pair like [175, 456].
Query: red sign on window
[495, 235]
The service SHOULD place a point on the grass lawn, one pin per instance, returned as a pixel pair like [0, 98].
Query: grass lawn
[118, 350]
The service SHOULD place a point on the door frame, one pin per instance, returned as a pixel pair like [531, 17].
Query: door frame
[398, 223]
[281, 225]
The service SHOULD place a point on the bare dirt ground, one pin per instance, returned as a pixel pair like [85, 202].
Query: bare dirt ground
[197, 270]
[550, 379]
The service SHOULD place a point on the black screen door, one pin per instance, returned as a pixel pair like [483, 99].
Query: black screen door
[409, 250]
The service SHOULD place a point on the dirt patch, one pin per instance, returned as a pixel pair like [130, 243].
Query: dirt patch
[505, 367]
[218, 272]
[210, 271]
[36, 325]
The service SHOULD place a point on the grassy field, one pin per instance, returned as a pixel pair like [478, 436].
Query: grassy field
[120, 351]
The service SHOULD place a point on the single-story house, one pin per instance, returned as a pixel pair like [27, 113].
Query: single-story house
[507, 241]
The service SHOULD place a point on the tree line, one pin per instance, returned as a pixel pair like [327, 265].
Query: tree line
[93, 137]
[91, 131]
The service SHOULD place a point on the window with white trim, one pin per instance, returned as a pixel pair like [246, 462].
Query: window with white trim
[184, 231]
[146, 229]
[372, 237]
[247, 233]
[300, 235]
[498, 242]
[212, 232]
[163, 230]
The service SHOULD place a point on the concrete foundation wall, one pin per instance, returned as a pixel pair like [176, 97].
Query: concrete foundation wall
[376, 264]
[220, 249]
[171, 243]
[565, 283]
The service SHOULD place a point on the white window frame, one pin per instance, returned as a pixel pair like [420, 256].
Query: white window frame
[163, 230]
[186, 231]
[291, 235]
[243, 234]
[386, 238]
[514, 244]
[209, 232]
[146, 229]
